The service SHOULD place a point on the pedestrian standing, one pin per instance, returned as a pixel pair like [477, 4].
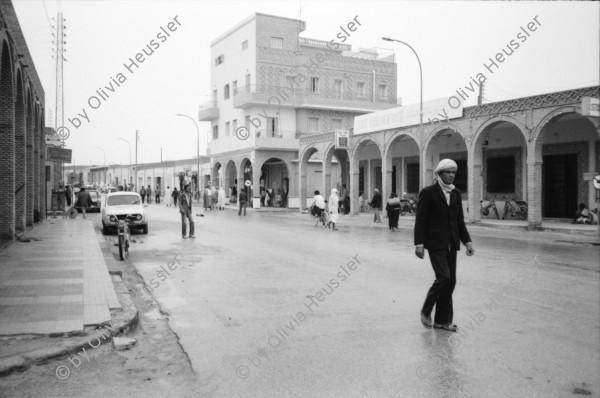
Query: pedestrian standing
[393, 211]
[149, 194]
[333, 204]
[214, 194]
[343, 198]
[243, 202]
[221, 199]
[439, 228]
[206, 198]
[233, 194]
[157, 195]
[185, 208]
[68, 194]
[175, 196]
[376, 204]
[143, 194]
[168, 196]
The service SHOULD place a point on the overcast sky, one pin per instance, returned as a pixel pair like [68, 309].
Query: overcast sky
[453, 40]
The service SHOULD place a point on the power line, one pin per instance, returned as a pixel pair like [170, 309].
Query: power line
[48, 19]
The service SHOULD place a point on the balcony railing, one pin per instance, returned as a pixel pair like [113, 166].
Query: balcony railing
[208, 111]
[305, 97]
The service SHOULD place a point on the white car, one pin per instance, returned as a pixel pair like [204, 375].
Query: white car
[118, 206]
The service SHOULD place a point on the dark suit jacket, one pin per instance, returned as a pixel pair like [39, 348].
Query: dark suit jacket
[183, 203]
[439, 224]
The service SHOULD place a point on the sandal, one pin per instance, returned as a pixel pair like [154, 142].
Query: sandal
[449, 327]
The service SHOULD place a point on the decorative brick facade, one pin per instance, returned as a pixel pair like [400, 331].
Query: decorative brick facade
[22, 142]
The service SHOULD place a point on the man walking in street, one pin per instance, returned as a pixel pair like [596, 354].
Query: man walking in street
[83, 201]
[243, 202]
[185, 208]
[439, 228]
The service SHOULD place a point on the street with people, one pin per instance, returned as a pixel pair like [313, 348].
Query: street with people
[329, 308]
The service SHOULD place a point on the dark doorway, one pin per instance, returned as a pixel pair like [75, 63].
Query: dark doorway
[560, 186]
[394, 180]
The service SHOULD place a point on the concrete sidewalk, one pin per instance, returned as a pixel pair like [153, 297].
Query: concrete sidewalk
[56, 283]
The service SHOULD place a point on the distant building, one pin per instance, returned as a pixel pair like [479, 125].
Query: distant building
[22, 143]
[270, 87]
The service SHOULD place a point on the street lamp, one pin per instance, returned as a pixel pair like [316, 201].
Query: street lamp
[198, 152]
[127, 142]
[421, 76]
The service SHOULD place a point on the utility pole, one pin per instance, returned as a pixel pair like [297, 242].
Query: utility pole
[59, 50]
[137, 139]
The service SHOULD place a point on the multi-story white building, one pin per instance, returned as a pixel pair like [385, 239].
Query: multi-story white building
[270, 87]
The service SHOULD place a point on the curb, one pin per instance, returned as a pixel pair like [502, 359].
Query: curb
[123, 322]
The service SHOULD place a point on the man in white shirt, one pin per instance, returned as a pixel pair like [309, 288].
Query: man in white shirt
[318, 204]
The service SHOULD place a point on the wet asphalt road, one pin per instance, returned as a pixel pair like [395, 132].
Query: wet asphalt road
[270, 306]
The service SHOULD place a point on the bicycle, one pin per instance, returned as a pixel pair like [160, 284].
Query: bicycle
[519, 209]
[322, 218]
[485, 210]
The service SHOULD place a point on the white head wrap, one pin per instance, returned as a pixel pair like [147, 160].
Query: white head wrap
[445, 164]
[334, 190]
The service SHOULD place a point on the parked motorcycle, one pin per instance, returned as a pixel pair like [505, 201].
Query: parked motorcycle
[124, 237]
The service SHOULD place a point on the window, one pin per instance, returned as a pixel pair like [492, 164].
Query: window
[500, 175]
[336, 124]
[244, 45]
[337, 89]
[314, 85]
[219, 60]
[234, 126]
[234, 87]
[226, 91]
[277, 42]
[313, 124]
[215, 132]
[412, 178]
[360, 89]
[248, 83]
[272, 126]
[227, 129]
[382, 91]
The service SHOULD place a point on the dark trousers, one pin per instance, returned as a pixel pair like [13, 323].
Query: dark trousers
[243, 206]
[187, 214]
[440, 293]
